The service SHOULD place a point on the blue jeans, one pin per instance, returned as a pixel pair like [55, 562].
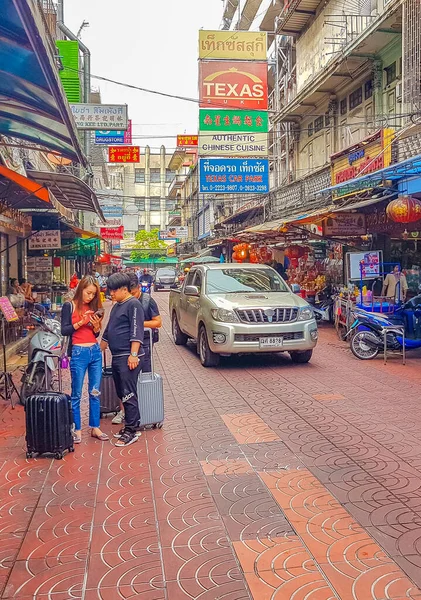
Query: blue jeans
[86, 358]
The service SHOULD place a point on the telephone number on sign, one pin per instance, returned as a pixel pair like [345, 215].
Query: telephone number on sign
[237, 188]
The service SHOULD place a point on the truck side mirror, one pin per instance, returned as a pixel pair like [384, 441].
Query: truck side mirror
[191, 290]
[295, 288]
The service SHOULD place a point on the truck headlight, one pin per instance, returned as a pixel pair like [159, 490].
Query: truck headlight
[306, 314]
[224, 316]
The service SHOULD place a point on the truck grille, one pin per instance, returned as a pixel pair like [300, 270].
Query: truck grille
[255, 337]
[257, 315]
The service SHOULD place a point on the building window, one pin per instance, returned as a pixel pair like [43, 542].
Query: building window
[356, 98]
[368, 89]
[169, 205]
[169, 176]
[318, 124]
[140, 203]
[139, 175]
[155, 204]
[344, 106]
[310, 130]
[390, 73]
[155, 175]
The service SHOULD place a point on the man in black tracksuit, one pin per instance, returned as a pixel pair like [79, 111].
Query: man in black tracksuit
[124, 336]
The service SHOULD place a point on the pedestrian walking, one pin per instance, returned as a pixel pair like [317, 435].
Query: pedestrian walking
[81, 321]
[124, 337]
[153, 321]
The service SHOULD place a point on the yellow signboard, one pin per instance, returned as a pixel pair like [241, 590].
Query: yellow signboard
[366, 157]
[239, 45]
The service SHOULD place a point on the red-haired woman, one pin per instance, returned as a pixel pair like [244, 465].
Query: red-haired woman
[81, 320]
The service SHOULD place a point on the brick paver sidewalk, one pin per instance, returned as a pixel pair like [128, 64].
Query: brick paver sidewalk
[268, 481]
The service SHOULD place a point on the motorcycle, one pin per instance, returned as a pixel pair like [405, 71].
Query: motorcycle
[44, 352]
[367, 330]
[146, 287]
[323, 305]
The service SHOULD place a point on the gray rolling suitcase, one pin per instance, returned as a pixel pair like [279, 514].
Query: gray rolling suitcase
[150, 391]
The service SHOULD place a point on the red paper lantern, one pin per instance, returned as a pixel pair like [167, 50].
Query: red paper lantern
[404, 209]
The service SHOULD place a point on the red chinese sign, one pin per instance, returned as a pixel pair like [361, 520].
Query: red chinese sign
[128, 133]
[124, 154]
[112, 233]
[227, 84]
[186, 141]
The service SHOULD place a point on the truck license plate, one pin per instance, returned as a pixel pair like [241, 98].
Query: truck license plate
[271, 342]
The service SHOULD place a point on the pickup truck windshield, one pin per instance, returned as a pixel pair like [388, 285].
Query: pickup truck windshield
[230, 281]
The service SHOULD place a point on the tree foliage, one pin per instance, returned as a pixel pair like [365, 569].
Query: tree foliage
[145, 243]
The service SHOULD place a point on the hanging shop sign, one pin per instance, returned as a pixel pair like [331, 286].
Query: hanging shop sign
[233, 84]
[234, 120]
[7, 309]
[111, 212]
[233, 144]
[187, 141]
[234, 176]
[112, 233]
[366, 157]
[345, 224]
[240, 45]
[114, 137]
[124, 154]
[39, 264]
[174, 233]
[49, 239]
[114, 222]
[14, 222]
[100, 117]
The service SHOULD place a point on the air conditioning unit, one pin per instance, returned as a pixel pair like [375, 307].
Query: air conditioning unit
[399, 92]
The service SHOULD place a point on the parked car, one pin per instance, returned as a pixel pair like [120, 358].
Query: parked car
[236, 309]
[165, 279]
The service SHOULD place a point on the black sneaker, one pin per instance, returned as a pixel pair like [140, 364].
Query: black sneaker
[127, 438]
[120, 433]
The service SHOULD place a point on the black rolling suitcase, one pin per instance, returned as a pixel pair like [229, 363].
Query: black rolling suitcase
[109, 401]
[49, 422]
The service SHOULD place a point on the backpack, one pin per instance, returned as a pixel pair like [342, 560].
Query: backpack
[146, 301]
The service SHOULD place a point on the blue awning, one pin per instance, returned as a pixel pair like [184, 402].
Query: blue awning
[33, 105]
[402, 170]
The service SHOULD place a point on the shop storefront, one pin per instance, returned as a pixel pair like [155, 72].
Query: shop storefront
[15, 227]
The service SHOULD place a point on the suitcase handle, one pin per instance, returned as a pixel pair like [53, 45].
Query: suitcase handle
[150, 331]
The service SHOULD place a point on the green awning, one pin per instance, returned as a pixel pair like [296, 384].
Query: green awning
[153, 260]
[79, 247]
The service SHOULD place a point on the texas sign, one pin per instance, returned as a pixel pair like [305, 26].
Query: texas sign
[227, 84]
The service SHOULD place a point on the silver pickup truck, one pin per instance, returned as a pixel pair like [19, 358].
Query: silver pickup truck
[237, 309]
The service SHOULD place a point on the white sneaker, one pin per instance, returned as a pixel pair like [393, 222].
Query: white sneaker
[119, 418]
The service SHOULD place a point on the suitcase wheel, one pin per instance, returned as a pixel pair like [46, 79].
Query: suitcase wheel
[158, 425]
[29, 455]
[58, 455]
[71, 449]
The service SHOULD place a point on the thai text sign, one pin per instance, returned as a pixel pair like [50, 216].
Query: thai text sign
[233, 144]
[100, 116]
[233, 120]
[114, 137]
[187, 141]
[49, 239]
[233, 84]
[112, 233]
[345, 224]
[124, 154]
[366, 157]
[111, 211]
[7, 309]
[233, 176]
[240, 45]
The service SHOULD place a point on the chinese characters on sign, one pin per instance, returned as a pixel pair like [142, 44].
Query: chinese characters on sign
[124, 154]
[234, 175]
[45, 240]
[112, 233]
[240, 45]
[345, 224]
[187, 141]
[100, 116]
[233, 84]
[233, 120]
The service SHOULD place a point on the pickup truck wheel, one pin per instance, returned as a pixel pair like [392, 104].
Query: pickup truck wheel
[180, 338]
[207, 357]
[301, 357]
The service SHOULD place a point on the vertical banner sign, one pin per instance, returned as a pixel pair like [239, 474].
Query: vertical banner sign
[128, 133]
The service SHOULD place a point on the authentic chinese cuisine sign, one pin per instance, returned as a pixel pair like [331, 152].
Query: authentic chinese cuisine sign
[366, 157]
[233, 144]
[124, 154]
[233, 120]
[187, 141]
[234, 175]
[240, 45]
[233, 84]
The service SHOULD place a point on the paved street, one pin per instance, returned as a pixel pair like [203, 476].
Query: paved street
[268, 481]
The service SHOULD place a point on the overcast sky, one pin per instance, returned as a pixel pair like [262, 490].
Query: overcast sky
[152, 44]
